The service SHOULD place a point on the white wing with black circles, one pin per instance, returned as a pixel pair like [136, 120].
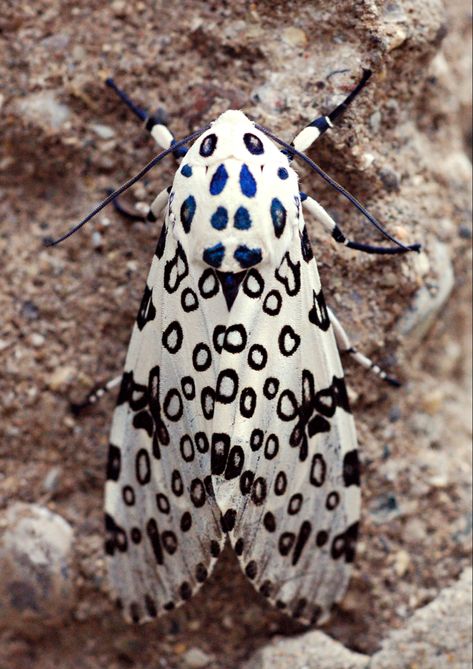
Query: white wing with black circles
[286, 475]
[162, 522]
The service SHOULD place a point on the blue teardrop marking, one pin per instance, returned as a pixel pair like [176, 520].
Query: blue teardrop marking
[247, 182]
[219, 219]
[188, 208]
[247, 257]
[242, 219]
[214, 255]
[283, 173]
[278, 215]
[218, 181]
[186, 171]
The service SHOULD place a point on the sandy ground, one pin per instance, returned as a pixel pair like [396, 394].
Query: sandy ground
[67, 312]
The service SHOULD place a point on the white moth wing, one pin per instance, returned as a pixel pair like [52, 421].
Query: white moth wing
[287, 479]
[162, 524]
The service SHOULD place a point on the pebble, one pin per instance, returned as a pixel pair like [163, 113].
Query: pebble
[390, 179]
[430, 299]
[61, 377]
[29, 310]
[44, 109]
[314, 650]
[37, 340]
[52, 480]
[375, 121]
[97, 240]
[294, 36]
[103, 131]
[436, 636]
[195, 658]
[36, 586]
[402, 560]
[395, 37]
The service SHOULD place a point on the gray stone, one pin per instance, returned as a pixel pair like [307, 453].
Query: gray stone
[36, 586]
[430, 298]
[438, 636]
[314, 650]
[195, 658]
[43, 109]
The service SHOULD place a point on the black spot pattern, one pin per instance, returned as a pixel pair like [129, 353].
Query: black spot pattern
[147, 310]
[343, 545]
[175, 270]
[253, 285]
[113, 463]
[351, 469]
[272, 303]
[247, 402]
[208, 283]
[257, 357]
[319, 315]
[235, 462]
[173, 337]
[289, 274]
[159, 252]
[306, 246]
[288, 341]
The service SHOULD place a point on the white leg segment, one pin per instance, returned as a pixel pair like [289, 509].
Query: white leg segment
[344, 344]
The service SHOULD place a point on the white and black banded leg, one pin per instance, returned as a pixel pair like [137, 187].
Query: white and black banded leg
[323, 217]
[321, 124]
[95, 395]
[344, 344]
[155, 124]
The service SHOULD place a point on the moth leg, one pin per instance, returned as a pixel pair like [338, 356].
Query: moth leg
[323, 217]
[344, 344]
[321, 124]
[95, 395]
[155, 124]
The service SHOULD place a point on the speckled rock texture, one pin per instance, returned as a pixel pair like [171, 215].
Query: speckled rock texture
[36, 586]
[437, 636]
[67, 312]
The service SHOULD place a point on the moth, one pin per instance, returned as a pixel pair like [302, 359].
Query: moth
[233, 423]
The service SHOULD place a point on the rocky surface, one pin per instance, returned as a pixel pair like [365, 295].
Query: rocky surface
[403, 150]
[37, 581]
[437, 636]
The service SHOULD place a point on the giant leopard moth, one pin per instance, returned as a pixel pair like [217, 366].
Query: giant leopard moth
[232, 420]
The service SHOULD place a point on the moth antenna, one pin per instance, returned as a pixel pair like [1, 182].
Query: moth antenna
[334, 184]
[128, 184]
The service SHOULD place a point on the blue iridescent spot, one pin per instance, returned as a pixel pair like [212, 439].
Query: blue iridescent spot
[242, 220]
[186, 171]
[218, 181]
[278, 214]
[283, 173]
[219, 218]
[188, 208]
[247, 257]
[214, 255]
[247, 182]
